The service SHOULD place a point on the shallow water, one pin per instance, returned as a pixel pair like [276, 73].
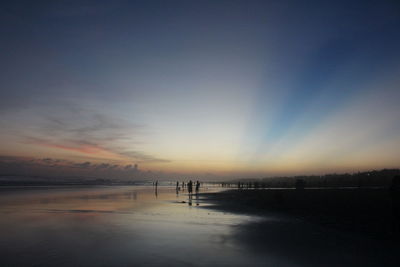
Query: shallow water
[119, 226]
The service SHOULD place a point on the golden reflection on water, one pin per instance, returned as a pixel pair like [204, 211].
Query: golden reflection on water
[106, 199]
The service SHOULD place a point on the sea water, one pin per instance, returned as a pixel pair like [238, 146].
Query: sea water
[118, 226]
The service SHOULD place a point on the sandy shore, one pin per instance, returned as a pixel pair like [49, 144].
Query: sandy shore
[315, 227]
[367, 211]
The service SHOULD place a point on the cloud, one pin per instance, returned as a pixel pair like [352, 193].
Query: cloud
[92, 133]
[83, 165]
[10, 164]
[71, 145]
[51, 166]
[80, 124]
[102, 166]
[142, 157]
[130, 167]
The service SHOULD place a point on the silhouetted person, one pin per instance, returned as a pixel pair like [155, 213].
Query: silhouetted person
[395, 194]
[177, 188]
[197, 186]
[190, 186]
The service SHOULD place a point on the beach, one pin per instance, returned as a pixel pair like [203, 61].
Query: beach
[142, 226]
[316, 227]
[117, 226]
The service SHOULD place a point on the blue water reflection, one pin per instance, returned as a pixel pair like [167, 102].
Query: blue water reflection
[117, 226]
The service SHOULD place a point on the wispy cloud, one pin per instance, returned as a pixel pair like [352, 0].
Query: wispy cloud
[91, 133]
[28, 162]
[81, 147]
[143, 157]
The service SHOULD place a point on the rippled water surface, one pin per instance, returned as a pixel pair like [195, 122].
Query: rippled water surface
[117, 226]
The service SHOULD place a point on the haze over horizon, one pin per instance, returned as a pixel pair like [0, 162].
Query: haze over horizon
[207, 89]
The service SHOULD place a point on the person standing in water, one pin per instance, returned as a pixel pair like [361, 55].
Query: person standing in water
[197, 186]
[155, 189]
[190, 186]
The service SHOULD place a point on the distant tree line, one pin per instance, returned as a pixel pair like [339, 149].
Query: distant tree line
[381, 178]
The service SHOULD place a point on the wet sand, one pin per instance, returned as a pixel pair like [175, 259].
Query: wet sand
[118, 226]
[138, 226]
[315, 227]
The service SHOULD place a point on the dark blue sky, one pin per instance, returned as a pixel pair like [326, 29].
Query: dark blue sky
[245, 87]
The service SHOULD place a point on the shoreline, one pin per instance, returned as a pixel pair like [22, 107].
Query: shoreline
[314, 235]
[366, 211]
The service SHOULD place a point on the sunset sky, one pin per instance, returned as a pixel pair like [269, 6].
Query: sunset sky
[207, 89]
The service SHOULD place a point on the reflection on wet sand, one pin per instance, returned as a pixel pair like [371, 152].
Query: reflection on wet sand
[141, 226]
[115, 226]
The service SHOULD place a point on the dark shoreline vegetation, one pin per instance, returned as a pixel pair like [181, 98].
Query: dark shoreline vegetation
[375, 178]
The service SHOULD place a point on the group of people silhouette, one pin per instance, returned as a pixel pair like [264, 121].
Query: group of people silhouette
[189, 186]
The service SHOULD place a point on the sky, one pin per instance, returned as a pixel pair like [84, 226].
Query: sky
[206, 89]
